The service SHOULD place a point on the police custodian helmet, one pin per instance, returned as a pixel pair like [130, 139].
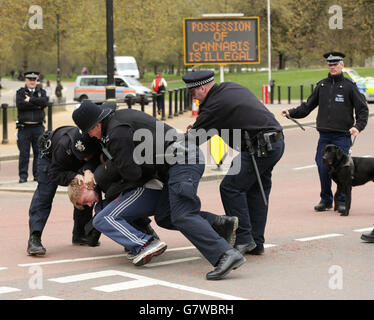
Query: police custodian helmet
[89, 114]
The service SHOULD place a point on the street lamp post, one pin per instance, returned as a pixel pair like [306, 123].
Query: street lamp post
[110, 88]
[58, 48]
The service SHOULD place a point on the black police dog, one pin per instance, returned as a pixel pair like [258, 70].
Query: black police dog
[346, 172]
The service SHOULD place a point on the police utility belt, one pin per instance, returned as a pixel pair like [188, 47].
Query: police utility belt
[22, 125]
[263, 141]
[45, 144]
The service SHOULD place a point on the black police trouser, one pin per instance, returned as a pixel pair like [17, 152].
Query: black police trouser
[185, 215]
[28, 136]
[241, 195]
[42, 199]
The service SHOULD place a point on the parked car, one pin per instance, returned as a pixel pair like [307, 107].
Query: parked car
[351, 74]
[92, 87]
[366, 87]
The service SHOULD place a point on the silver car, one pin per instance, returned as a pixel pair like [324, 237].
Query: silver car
[93, 87]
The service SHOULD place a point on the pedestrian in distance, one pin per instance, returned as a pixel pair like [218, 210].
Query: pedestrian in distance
[159, 85]
[342, 114]
[48, 89]
[30, 102]
[249, 127]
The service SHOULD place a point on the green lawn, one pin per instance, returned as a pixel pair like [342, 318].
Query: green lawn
[254, 80]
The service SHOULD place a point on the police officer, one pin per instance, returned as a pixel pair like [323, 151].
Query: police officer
[120, 132]
[65, 155]
[30, 102]
[226, 107]
[338, 98]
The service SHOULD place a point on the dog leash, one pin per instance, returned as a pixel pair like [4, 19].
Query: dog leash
[310, 126]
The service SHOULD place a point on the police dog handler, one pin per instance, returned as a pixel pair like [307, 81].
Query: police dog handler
[337, 97]
[118, 131]
[247, 126]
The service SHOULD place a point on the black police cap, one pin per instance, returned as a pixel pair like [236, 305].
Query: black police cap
[333, 57]
[32, 75]
[198, 78]
[89, 114]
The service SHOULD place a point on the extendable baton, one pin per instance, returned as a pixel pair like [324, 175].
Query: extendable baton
[251, 153]
[297, 122]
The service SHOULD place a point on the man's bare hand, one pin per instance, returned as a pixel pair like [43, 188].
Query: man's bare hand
[354, 131]
[284, 112]
[89, 179]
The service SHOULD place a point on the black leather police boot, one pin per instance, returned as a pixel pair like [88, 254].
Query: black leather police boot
[369, 237]
[258, 250]
[226, 227]
[230, 260]
[322, 206]
[91, 241]
[34, 246]
[246, 247]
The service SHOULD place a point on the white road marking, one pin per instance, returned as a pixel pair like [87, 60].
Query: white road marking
[156, 264]
[137, 282]
[3, 268]
[8, 290]
[42, 298]
[363, 229]
[92, 258]
[324, 236]
[180, 249]
[70, 260]
[126, 285]
[269, 245]
[85, 276]
[305, 167]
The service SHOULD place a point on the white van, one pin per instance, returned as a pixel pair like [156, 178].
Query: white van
[92, 87]
[126, 66]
